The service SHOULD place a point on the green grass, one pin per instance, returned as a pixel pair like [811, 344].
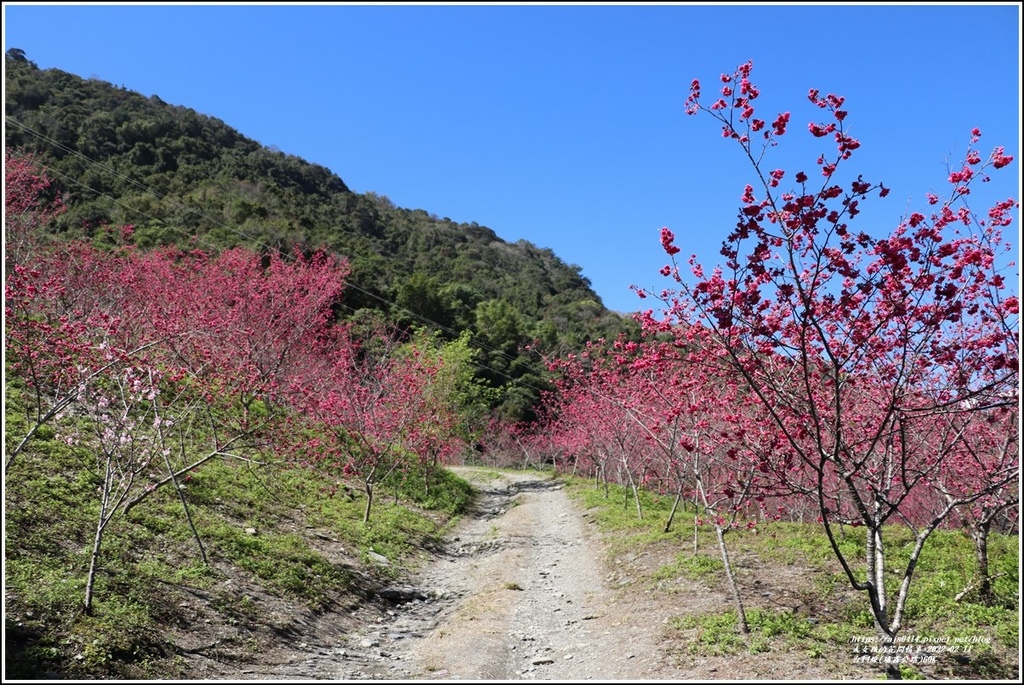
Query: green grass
[617, 512]
[715, 634]
[718, 633]
[701, 567]
[945, 567]
[256, 518]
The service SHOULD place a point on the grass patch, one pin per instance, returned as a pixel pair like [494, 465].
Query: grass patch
[700, 567]
[256, 520]
[817, 584]
[614, 510]
[718, 633]
[711, 634]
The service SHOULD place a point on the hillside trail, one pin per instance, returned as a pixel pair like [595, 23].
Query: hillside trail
[521, 589]
[519, 593]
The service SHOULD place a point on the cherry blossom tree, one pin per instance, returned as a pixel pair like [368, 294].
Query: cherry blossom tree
[987, 459]
[154, 363]
[852, 342]
[125, 438]
[30, 204]
[59, 332]
[670, 411]
[518, 444]
[363, 404]
[596, 420]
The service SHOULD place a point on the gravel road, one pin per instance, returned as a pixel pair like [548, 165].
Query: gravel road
[519, 594]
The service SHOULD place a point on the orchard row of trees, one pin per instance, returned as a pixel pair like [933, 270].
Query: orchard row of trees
[153, 363]
[821, 373]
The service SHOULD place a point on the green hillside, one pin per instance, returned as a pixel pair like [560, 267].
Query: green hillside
[186, 178]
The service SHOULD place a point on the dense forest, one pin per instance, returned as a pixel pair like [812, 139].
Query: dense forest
[183, 178]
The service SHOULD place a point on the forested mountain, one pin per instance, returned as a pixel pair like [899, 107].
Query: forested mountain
[180, 177]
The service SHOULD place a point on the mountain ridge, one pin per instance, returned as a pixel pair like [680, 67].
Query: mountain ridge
[181, 177]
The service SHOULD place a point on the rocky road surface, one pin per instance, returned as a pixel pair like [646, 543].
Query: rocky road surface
[519, 593]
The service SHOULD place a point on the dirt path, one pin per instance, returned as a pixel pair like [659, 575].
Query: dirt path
[533, 602]
[520, 594]
[522, 590]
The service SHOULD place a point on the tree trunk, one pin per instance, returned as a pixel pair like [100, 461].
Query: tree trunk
[97, 541]
[91, 579]
[741, 616]
[672, 513]
[188, 514]
[696, 525]
[980, 536]
[636, 494]
[888, 643]
[368, 488]
[427, 472]
[879, 567]
[875, 554]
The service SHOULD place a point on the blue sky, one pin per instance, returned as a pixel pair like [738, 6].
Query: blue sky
[563, 124]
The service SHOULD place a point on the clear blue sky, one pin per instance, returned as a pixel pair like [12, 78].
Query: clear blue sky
[564, 124]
